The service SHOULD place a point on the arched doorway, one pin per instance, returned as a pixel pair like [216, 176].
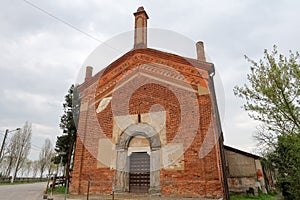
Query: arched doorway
[139, 164]
[138, 160]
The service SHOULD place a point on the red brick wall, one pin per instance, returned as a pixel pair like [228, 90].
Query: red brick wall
[200, 177]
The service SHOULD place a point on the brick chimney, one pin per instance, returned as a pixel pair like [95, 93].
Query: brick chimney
[140, 28]
[200, 51]
[88, 73]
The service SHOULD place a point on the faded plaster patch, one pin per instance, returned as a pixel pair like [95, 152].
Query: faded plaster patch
[202, 90]
[106, 154]
[139, 30]
[139, 141]
[139, 144]
[120, 123]
[172, 157]
[158, 121]
[103, 104]
[84, 106]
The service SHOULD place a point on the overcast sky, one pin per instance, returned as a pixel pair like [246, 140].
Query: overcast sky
[41, 56]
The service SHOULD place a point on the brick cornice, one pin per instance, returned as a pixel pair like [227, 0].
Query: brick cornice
[179, 63]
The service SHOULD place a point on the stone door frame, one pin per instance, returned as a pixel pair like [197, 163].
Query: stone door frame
[122, 162]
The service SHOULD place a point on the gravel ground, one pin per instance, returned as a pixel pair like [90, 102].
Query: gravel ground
[124, 197]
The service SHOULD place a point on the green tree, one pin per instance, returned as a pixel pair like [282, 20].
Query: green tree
[65, 143]
[287, 158]
[272, 97]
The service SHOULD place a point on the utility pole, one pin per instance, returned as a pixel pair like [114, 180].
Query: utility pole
[4, 139]
[17, 163]
[3, 143]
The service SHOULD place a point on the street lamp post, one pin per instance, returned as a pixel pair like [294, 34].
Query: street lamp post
[2, 147]
[3, 142]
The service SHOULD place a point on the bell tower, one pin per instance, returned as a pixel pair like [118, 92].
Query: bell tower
[140, 28]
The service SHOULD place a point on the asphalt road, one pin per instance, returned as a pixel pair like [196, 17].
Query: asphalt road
[32, 191]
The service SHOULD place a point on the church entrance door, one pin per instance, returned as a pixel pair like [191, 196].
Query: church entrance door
[139, 174]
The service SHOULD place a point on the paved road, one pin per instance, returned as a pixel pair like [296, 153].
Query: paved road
[32, 191]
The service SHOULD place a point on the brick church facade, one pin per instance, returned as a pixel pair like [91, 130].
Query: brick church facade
[149, 123]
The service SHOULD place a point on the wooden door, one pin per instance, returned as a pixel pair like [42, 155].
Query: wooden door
[139, 175]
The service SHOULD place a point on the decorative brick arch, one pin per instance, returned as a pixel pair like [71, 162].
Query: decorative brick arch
[122, 176]
[140, 129]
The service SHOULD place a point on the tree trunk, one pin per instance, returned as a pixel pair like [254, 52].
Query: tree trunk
[9, 167]
[41, 175]
[70, 150]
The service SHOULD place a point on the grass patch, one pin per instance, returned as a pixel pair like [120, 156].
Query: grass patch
[250, 197]
[57, 190]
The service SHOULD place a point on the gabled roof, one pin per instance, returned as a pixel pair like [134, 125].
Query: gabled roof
[151, 52]
[241, 152]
